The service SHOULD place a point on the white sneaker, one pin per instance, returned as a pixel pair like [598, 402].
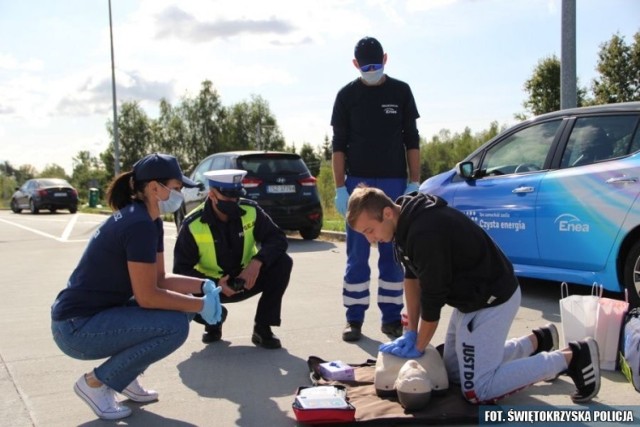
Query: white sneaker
[102, 400]
[137, 393]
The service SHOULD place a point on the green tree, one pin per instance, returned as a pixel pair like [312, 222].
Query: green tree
[202, 119]
[239, 130]
[250, 125]
[326, 150]
[543, 89]
[619, 68]
[135, 138]
[7, 169]
[170, 134]
[8, 182]
[444, 150]
[88, 173]
[311, 158]
[25, 172]
[326, 187]
[53, 171]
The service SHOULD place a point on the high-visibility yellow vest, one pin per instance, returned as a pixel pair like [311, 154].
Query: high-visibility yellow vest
[208, 263]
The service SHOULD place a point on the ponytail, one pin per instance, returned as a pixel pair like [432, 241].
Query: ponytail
[121, 191]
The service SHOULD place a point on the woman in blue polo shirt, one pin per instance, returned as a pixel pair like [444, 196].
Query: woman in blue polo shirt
[119, 304]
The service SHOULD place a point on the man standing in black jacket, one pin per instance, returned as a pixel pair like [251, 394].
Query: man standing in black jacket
[217, 241]
[450, 260]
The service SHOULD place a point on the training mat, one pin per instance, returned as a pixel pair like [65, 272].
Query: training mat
[448, 407]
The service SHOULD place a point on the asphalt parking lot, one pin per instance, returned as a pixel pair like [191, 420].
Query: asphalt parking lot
[224, 384]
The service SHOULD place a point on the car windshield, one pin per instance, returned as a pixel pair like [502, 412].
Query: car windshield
[267, 165]
[53, 182]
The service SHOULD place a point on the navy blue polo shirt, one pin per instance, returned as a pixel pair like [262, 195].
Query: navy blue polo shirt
[101, 279]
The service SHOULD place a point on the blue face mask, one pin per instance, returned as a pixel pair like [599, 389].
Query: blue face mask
[372, 77]
[173, 203]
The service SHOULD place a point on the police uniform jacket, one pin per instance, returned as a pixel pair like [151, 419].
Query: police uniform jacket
[228, 238]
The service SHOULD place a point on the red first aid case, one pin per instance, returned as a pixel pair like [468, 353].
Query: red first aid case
[321, 408]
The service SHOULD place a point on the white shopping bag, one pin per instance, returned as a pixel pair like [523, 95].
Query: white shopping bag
[578, 314]
[609, 320]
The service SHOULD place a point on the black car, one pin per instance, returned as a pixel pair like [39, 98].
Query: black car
[45, 193]
[279, 182]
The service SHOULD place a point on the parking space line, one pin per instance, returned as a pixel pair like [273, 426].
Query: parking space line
[69, 227]
[33, 230]
[41, 233]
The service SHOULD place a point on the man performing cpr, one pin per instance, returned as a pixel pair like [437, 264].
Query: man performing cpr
[449, 259]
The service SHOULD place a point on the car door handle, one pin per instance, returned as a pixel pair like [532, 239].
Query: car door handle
[622, 180]
[521, 190]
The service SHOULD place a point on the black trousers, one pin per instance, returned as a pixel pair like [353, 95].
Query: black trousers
[272, 283]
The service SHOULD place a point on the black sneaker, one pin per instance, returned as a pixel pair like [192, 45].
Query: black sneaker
[264, 337]
[393, 329]
[213, 333]
[584, 369]
[352, 332]
[547, 338]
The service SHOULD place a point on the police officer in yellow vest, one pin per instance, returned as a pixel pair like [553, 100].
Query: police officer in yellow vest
[217, 240]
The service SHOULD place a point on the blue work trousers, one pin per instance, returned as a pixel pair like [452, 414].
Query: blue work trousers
[355, 292]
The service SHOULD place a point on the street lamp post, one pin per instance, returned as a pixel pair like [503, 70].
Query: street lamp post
[116, 143]
[568, 78]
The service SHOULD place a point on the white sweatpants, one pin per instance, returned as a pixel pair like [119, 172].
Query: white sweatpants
[488, 368]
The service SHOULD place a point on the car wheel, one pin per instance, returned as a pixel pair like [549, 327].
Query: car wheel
[33, 208]
[53, 210]
[310, 233]
[632, 275]
[73, 209]
[178, 216]
[14, 206]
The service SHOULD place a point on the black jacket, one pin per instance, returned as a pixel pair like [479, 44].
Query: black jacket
[456, 261]
[271, 241]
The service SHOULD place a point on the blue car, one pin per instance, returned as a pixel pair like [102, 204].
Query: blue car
[559, 194]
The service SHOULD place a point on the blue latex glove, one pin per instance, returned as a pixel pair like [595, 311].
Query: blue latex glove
[342, 197]
[407, 352]
[208, 286]
[407, 340]
[212, 309]
[411, 187]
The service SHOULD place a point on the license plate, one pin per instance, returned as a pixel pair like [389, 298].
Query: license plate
[59, 194]
[279, 189]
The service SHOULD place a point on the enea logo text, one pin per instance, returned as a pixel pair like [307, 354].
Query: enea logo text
[571, 223]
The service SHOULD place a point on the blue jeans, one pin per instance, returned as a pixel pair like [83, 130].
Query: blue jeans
[131, 337]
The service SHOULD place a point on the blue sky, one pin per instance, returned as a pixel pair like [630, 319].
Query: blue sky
[465, 60]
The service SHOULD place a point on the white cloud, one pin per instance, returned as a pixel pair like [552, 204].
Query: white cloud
[9, 62]
[466, 60]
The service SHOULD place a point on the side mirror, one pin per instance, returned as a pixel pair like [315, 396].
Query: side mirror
[465, 170]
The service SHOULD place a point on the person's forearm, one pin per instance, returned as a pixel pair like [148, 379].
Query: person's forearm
[412, 297]
[425, 334]
[413, 161]
[337, 162]
[182, 284]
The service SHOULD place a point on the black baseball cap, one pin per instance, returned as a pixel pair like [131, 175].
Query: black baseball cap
[160, 167]
[368, 51]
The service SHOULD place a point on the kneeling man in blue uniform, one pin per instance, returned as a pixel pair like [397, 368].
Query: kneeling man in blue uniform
[217, 241]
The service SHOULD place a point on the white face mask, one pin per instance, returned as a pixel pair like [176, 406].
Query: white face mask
[173, 202]
[372, 77]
